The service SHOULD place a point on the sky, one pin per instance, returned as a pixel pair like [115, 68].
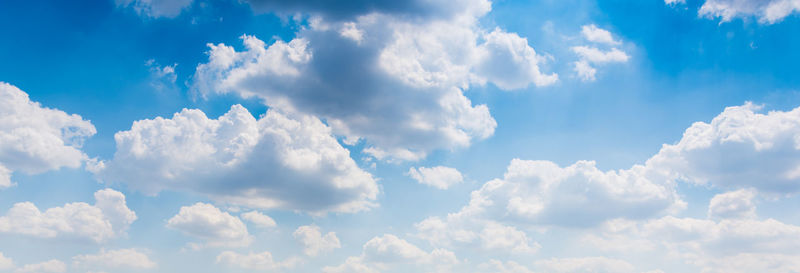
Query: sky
[465, 136]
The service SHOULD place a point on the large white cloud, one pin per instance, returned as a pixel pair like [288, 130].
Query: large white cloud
[35, 139]
[767, 11]
[739, 148]
[114, 259]
[109, 217]
[314, 242]
[439, 177]
[388, 253]
[209, 223]
[278, 161]
[395, 82]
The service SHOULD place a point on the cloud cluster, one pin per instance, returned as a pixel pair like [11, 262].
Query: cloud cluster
[277, 161]
[396, 83]
[215, 227]
[765, 11]
[388, 253]
[589, 56]
[35, 139]
[109, 217]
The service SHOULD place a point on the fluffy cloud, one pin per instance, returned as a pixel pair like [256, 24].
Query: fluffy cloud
[739, 148]
[396, 83]
[209, 223]
[584, 265]
[259, 219]
[120, 258]
[35, 139]
[495, 266]
[388, 252]
[464, 231]
[277, 161]
[767, 11]
[349, 9]
[314, 242]
[255, 261]
[107, 218]
[156, 8]
[5, 262]
[591, 56]
[439, 177]
[735, 204]
[51, 266]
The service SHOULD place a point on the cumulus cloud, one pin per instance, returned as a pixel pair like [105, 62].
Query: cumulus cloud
[395, 83]
[589, 56]
[113, 259]
[767, 11]
[35, 139]
[156, 8]
[259, 219]
[390, 252]
[439, 177]
[585, 265]
[277, 161]
[209, 223]
[735, 204]
[51, 266]
[739, 148]
[255, 261]
[314, 242]
[109, 217]
[463, 230]
[5, 262]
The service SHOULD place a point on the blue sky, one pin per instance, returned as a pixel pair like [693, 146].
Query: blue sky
[381, 136]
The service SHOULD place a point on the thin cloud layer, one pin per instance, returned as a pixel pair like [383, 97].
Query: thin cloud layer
[276, 161]
[36, 139]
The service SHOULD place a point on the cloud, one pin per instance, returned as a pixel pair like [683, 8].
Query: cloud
[108, 218]
[590, 56]
[349, 9]
[209, 223]
[35, 139]
[735, 204]
[496, 266]
[51, 266]
[314, 242]
[592, 33]
[156, 8]
[395, 82]
[259, 219]
[255, 261]
[767, 11]
[740, 148]
[585, 265]
[439, 177]
[120, 258]
[278, 161]
[161, 77]
[5, 262]
[465, 231]
[389, 251]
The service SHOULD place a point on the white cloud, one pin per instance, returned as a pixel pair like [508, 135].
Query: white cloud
[496, 266]
[35, 139]
[412, 100]
[595, 34]
[108, 218]
[739, 148]
[161, 77]
[259, 219]
[5, 262]
[209, 223]
[465, 231]
[51, 266]
[767, 11]
[585, 265]
[439, 177]
[674, 2]
[278, 161]
[156, 8]
[314, 242]
[597, 56]
[255, 261]
[735, 204]
[113, 259]
[390, 252]
[585, 71]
